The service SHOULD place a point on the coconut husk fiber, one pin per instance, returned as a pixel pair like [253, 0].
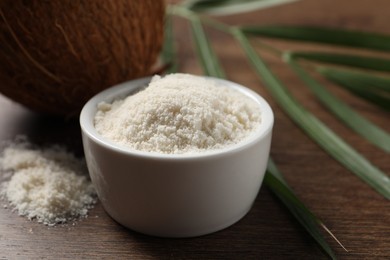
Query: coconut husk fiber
[55, 55]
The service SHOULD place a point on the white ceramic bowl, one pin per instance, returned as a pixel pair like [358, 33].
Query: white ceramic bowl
[175, 195]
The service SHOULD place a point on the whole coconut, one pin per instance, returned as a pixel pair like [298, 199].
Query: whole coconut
[56, 54]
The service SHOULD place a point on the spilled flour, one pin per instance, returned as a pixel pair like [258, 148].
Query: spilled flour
[178, 114]
[48, 184]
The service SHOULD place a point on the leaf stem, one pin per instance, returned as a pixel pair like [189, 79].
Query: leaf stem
[271, 49]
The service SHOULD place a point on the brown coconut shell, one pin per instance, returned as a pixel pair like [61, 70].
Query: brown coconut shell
[55, 55]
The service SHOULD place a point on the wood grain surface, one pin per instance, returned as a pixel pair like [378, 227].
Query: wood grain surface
[357, 215]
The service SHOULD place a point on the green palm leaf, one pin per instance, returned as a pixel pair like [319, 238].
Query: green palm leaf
[323, 35]
[276, 183]
[227, 7]
[359, 124]
[370, 81]
[364, 62]
[317, 130]
[373, 88]
[301, 213]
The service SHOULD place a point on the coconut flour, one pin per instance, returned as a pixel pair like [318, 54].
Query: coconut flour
[49, 184]
[178, 114]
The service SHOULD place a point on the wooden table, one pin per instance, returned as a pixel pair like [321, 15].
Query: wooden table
[356, 214]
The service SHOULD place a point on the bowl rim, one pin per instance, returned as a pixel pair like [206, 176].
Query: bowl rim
[124, 89]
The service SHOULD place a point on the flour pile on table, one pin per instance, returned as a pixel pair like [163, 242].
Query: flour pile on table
[48, 184]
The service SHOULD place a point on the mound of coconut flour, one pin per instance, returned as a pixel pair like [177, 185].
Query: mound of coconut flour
[178, 114]
[49, 184]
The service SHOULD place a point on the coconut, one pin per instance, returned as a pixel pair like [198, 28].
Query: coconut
[55, 55]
